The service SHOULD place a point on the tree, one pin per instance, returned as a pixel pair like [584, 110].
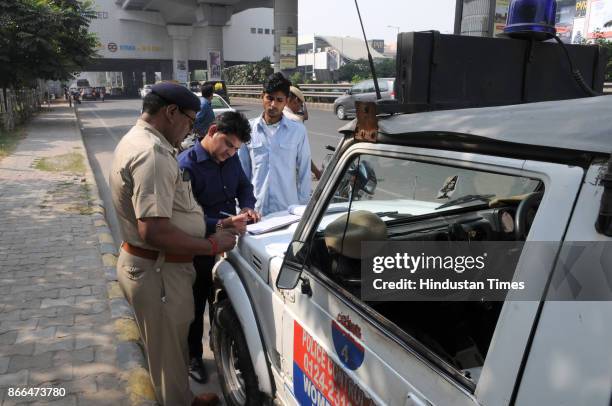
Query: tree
[601, 40]
[296, 78]
[249, 74]
[44, 39]
[360, 69]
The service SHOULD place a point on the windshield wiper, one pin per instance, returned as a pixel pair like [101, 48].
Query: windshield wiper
[465, 199]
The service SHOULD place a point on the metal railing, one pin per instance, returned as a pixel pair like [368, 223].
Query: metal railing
[327, 92]
[323, 92]
[17, 106]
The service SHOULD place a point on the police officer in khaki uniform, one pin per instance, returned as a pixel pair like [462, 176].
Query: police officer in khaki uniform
[162, 228]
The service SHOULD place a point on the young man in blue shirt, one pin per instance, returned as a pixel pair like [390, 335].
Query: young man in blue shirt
[217, 181]
[277, 160]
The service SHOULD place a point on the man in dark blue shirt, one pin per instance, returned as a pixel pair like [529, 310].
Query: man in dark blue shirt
[217, 181]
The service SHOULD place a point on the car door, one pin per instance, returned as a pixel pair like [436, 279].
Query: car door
[340, 350]
[349, 103]
[368, 93]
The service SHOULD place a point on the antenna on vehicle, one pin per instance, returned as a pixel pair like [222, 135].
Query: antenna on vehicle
[378, 97]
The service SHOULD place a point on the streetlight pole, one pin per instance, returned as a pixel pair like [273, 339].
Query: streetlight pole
[396, 27]
[314, 56]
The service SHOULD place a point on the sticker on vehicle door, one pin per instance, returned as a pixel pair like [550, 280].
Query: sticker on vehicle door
[318, 379]
[346, 335]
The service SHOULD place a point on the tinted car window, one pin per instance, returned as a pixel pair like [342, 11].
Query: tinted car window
[369, 86]
[218, 103]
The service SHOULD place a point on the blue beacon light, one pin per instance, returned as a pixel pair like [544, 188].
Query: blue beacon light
[531, 19]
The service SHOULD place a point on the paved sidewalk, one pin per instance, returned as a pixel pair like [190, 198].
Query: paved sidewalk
[55, 320]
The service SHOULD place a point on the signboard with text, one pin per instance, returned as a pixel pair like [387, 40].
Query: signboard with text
[288, 52]
[214, 64]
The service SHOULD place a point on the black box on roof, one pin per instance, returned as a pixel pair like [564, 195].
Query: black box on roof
[437, 71]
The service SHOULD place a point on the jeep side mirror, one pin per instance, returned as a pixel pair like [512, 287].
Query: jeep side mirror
[292, 267]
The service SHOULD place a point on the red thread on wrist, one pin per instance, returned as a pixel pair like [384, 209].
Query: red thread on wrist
[215, 246]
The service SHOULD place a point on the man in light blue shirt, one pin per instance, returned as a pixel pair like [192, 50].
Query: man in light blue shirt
[277, 160]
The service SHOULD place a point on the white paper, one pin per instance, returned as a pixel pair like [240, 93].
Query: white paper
[272, 223]
[299, 209]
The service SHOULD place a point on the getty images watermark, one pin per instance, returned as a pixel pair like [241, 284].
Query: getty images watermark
[485, 271]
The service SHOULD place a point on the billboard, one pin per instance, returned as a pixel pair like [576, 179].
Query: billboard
[564, 19]
[600, 12]
[214, 64]
[501, 15]
[288, 52]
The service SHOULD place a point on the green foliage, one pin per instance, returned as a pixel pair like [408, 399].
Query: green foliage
[602, 41]
[296, 78]
[44, 39]
[9, 140]
[360, 69]
[385, 68]
[357, 78]
[250, 74]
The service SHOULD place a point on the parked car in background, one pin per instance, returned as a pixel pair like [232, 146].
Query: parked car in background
[89, 93]
[344, 106]
[146, 89]
[219, 105]
[219, 88]
[116, 91]
[194, 86]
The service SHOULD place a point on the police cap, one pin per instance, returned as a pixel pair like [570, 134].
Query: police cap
[297, 93]
[173, 93]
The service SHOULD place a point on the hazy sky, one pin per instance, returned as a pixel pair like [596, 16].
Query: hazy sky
[339, 17]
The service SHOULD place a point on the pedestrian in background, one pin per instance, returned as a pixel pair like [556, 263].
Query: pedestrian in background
[162, 228]
[219, 184]
[277, 160]
[296, 110]
[205, 116]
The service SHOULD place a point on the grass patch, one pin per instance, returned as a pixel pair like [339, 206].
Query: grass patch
[69, 196]
[71, 162]
[9, 140]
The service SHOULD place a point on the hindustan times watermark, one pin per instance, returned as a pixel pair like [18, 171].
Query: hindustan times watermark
[485, 271]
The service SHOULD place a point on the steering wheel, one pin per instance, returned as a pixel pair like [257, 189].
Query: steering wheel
[523, 211]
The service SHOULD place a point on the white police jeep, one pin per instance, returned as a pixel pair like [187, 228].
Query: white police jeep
[290, 325]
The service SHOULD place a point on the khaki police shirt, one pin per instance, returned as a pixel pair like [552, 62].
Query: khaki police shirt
[146, 181]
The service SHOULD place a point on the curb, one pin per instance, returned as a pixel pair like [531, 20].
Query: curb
[311, 105]
[131, 360]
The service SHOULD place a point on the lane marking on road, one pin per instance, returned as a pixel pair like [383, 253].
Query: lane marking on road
[389, 192]
[106, 127]
[326, 135]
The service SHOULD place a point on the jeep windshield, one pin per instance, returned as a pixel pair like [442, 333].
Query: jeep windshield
[417, 188]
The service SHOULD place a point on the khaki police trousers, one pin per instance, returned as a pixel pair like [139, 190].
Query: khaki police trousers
[162, 298]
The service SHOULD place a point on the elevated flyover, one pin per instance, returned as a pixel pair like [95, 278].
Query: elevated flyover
[175, 37]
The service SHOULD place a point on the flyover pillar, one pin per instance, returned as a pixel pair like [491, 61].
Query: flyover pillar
[285, 27]
[212, 17]
[180, 35]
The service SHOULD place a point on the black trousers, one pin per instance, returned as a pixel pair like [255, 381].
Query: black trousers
[202, 290]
